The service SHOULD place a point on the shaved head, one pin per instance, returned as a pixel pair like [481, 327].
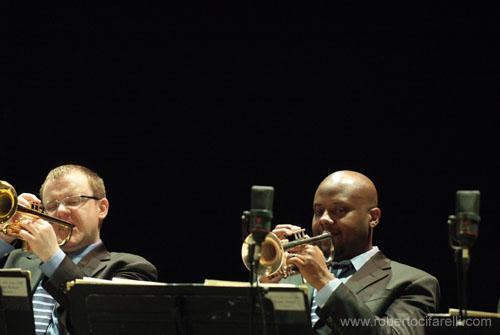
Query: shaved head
[355, 182]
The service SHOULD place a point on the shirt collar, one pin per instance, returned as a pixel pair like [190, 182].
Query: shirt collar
[76, 256]
[361, 259]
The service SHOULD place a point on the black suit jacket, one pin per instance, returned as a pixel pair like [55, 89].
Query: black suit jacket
[99, 263]
[387, 296]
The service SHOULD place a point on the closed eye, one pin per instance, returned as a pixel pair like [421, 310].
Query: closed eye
[340, 211]
[335, 212]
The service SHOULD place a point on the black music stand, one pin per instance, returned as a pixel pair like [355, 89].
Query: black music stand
[194, 309]
[16, 305]
[476, 323]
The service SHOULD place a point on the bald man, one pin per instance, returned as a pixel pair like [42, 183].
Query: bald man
[371, 294]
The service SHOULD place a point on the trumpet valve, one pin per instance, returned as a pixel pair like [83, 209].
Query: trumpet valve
[299, 234]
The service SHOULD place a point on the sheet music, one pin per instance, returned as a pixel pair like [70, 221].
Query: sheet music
[15, 282]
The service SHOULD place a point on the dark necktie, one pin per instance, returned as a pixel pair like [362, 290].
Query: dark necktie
[342, 269]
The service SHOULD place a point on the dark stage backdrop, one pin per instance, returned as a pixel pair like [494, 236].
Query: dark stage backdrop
[182, 108]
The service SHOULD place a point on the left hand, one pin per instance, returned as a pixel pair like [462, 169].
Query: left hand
[41, 238]
[310, 261]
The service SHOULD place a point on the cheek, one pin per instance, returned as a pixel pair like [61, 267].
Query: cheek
[79, 221]
[316, 227]
[362, 230]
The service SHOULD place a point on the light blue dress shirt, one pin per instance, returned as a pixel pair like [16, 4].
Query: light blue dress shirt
[324, 293]
[320, 297]
[48, 268]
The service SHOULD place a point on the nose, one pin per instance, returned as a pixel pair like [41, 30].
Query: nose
[325, 220]
[61, 211]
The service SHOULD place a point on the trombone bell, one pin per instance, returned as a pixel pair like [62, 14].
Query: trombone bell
[11, 213]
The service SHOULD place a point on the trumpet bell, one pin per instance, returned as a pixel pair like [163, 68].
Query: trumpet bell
[8, 197]
[11, 213]
[271, 254]
[272, 261]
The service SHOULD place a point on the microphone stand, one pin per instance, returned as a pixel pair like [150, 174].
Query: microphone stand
[461, 261]
[460, 240]
[253, 248]
[258, 220]
[254, 253]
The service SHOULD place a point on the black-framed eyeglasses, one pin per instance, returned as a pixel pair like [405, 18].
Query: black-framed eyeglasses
[73, 201]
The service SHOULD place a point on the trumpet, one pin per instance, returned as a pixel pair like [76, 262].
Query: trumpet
[11, 213]
[272, 261]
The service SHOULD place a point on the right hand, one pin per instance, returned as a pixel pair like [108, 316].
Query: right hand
[37, 232]
[41, 238]
[311, 264]
[308, 259]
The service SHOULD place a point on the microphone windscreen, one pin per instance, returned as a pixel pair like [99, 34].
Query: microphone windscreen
[468, 203]
[262, 197]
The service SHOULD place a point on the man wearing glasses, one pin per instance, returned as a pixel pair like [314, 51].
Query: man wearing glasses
[75, 194]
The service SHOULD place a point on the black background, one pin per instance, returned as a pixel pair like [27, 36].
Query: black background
[181, 108]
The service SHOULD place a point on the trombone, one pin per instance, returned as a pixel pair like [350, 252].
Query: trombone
[272, 261]
[11, 213]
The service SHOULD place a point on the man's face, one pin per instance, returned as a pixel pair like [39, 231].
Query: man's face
[341, 209]
[85, 216]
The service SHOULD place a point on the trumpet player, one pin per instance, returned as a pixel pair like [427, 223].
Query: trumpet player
[77, 195]
[377, 294]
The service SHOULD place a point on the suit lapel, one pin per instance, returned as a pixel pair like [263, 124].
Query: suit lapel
[32, 263]
[94, 261]
[377, 268]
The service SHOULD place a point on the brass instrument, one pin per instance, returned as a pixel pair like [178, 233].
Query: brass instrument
[11, 213]
[272, 261]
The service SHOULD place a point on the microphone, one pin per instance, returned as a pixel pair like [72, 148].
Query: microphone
[261, 212]
[464, 232]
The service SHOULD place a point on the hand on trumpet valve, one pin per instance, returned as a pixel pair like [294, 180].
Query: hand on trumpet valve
[288, 232]
[40, 236]
[281, 258]
[17, 213]
[311, 264]
[26, 199]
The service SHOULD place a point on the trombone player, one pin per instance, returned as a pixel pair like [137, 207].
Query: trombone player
[76, 194]
[363, 291]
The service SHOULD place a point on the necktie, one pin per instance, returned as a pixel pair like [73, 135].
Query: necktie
[340, 269]
[43, 305]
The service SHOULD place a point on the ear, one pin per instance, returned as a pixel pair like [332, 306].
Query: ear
[375, 214]
[103, 208]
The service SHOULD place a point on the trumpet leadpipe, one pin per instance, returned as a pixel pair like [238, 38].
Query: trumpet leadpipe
[310, 240]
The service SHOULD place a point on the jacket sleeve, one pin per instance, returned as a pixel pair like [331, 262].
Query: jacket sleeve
[405, 309]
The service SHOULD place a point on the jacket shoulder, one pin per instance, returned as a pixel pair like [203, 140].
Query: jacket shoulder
[401, 269]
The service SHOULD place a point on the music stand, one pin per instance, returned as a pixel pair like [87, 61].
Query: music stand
[193, 309]
[106, 309]
[225, 310]
[452, 323]
[16, 305]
